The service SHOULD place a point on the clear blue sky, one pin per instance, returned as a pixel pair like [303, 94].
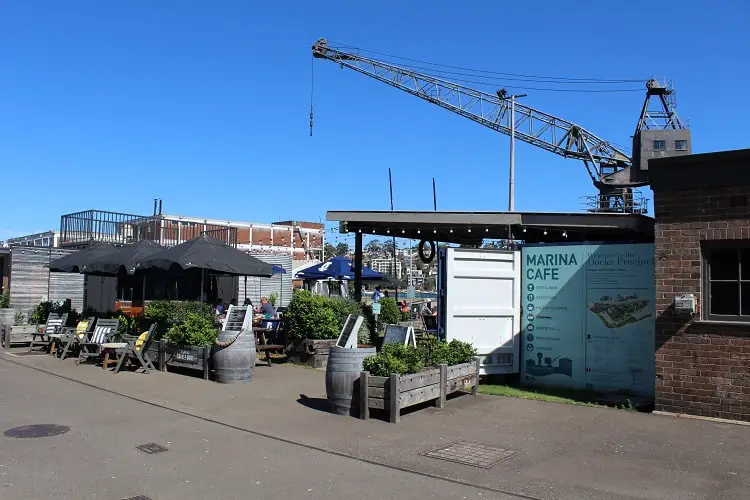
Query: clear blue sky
[205, 104]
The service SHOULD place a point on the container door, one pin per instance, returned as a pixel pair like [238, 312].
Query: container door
[482, 304]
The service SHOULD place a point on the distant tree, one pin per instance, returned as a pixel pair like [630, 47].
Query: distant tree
[342, 249]
[389, 247]
[329, 251]
[373, 247]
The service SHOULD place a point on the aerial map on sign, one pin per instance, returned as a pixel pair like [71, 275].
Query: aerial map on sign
[618, 311]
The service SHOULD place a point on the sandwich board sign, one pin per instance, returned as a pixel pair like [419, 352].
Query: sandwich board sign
[397, 334]
[348, 336]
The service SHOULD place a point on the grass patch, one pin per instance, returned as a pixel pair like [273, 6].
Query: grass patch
[555, 395]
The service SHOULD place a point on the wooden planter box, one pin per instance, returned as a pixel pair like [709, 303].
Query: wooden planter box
[312, 352]
[401, 391]
[196, 358]
[18, 334]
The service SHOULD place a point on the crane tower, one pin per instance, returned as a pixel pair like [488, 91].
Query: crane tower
[659, 132]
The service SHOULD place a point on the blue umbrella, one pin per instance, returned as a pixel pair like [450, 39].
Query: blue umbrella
[278, 270]
[337, 268]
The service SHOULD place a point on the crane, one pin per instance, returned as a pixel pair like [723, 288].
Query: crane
[611, 170]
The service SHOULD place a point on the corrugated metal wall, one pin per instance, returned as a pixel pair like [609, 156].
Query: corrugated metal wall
[281, 284]
[31, 282]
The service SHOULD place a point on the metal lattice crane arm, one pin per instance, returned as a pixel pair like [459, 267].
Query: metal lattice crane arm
[603, 160]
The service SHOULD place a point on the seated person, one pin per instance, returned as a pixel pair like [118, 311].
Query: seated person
[219, 307]
[266, 309]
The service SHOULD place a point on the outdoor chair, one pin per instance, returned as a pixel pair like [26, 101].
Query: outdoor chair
[91, 346]
[132, 347]
[55, 323]
[69, 337]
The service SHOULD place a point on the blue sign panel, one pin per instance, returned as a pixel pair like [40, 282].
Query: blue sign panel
[589, 317]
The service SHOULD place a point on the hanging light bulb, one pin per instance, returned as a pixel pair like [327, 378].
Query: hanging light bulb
[524, 230]
[419, 232]
[486, 230]
[565, 234]
[469, 229]
[545, 232]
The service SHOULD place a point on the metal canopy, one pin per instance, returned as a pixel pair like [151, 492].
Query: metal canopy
[472, 227]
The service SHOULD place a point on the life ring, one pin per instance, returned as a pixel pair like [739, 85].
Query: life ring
[431, 256]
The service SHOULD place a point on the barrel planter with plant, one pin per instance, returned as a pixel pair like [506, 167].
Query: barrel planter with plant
[402, 376]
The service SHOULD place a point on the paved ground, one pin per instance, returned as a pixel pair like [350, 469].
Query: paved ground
[272, 439]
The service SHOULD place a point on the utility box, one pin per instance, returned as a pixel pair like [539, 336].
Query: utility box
[650, 144]
[479, 301]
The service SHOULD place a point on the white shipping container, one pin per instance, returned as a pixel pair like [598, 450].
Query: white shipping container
[480, 302]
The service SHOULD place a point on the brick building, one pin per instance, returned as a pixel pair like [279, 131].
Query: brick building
[702, 209]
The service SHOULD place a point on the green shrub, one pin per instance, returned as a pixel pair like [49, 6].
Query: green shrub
[342, 308]
[383, 365]
[310, 317]
[273, 299]
[19, 318]
[42, 310]
[169, 313]
[390, 314]
[5, 299]
[401, 359]
[453, 353]
[195, 331]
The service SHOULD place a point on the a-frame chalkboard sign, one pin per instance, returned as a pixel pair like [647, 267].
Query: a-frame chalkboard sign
[397, 334]
[348, 336]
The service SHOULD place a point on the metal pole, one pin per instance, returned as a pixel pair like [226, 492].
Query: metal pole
[512, 176]
[203, 278]
[390, 186]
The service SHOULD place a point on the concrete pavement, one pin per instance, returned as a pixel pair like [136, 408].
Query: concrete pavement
[562, 451]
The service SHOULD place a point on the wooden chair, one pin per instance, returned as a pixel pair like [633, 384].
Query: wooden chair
[131, 347]
[68, 336]
[55, 324]
[104, 331]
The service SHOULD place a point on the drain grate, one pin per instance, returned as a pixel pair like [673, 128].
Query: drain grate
[37, 431]
[469, 453]
[151, 448]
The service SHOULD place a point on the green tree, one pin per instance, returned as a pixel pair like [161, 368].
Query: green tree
[342, 249]
[329, 251]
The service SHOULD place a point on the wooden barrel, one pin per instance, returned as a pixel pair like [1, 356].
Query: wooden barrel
[235, 364]
[342, 373]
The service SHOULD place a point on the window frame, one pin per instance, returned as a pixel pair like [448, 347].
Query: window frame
[680, 141]
[706, 248]
[663, 144]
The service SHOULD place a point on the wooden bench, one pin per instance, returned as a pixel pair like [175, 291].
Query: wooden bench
[267, 348]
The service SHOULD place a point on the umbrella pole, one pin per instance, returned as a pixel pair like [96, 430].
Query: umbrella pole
[203, 278]
[143, 294]
[245, 288]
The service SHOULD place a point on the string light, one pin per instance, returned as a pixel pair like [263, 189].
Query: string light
[545, 232]
[469, 229]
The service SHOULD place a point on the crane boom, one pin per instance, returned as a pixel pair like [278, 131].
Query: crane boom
[607, 165]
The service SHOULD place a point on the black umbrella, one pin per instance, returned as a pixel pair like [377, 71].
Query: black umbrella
[127, 258]
[208, 254]
[75, 262]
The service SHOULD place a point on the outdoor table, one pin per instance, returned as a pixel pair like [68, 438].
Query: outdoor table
[261, 342]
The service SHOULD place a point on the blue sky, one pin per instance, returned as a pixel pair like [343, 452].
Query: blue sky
[205, 104]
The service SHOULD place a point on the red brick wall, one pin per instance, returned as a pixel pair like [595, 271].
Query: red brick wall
[702, 368]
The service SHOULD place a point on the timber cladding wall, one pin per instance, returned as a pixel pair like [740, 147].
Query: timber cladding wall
[702, 367]
[30, 281]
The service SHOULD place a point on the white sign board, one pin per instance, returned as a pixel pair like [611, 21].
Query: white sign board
[348, 336]
[397, 334]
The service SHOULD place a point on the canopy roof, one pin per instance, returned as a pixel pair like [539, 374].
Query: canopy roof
[336, 268]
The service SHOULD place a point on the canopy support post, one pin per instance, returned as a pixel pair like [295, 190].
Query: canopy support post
[358, 266]
[203, 278]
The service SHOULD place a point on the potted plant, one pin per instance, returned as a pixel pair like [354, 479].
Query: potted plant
[400, 376]
[311, 327]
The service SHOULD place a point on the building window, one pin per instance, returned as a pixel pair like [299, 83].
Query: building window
[727, 273]
[660, 145]
[680, 145]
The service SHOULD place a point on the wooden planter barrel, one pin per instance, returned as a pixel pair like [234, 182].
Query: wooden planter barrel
[401, 391]
[235, 363]
[342, 372]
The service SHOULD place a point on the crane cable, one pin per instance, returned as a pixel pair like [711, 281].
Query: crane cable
[518, 76]
[312, 90]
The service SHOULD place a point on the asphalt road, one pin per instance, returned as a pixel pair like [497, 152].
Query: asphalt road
[98, 459]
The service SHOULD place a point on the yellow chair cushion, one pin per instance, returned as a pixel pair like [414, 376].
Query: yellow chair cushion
[140, 341]
[81, 328]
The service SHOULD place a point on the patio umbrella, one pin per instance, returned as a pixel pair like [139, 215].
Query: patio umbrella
[208, 254]
[127, 258]
[74, 262]
[336, 268]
